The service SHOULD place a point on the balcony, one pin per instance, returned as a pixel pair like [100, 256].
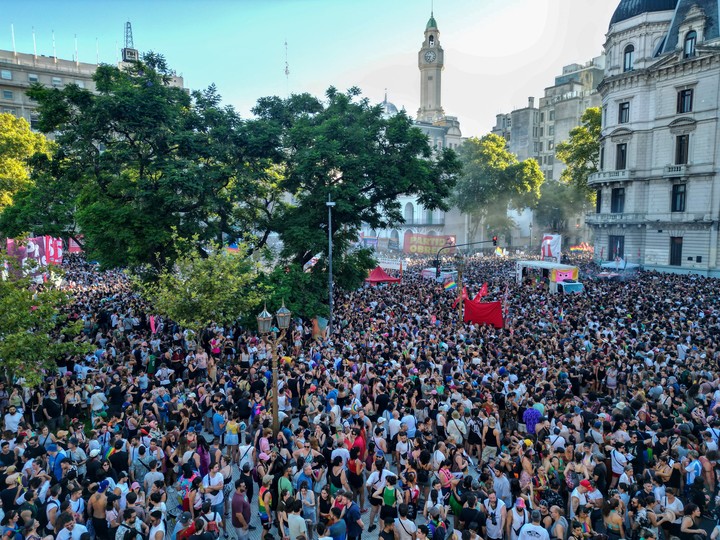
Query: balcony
[602, 177]
[614, 219]
[674, 171]
[424, 222]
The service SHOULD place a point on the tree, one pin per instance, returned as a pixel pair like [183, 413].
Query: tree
[346, 149]
[581, 153]
[494, 180]
[34, 329]
[219, 286]
[140, 160]
[559, 202]
[18, 143]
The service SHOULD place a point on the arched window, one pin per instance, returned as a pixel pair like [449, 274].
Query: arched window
[431, 40]
[690, 40]
[629, 58]
[429, 217]
[409, 213]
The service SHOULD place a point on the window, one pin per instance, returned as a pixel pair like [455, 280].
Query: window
[56, 81]
[551, 131]
[542, 132]
[551, 145]
[676, 243]
[624, 113]
[602, 158]
[690, 40]
[621, 157]
[9, 111]
[685, 101]
[598, 201]
[617, 201]
[7, 94]
[677, 202]
[616, 245]
[33, 78]
[629, 58]
[682, 147]
[551, 115]
[80, 84]
[35, 122]
[6, 74]
[542, 116]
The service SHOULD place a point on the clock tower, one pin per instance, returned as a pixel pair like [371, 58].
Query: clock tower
[431, 62]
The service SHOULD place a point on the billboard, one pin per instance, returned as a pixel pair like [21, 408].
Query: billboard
[43, 250]
[425, 244]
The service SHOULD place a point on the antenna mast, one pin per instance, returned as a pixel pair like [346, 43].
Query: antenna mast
[129, 52]
[128, 36]
[287, 71]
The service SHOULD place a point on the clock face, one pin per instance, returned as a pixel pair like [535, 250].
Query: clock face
[430, 57]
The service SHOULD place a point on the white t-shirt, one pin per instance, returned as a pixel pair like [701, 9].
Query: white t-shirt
[405, 528]
[530, 531]
[217, 480]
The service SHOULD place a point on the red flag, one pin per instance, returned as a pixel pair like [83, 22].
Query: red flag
[464, 296]
[481, 293]
[484, 313]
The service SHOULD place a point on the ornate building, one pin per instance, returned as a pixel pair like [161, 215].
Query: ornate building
[658, 190]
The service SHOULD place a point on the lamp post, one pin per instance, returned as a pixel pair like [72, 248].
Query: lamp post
[531, 238]
[330, 205]
[460, 265]
[265, 327]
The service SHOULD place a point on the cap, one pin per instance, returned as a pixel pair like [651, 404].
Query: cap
[185, 517]
[102, 486]
[94, 452]
[587, 485]
[134, 485]
[52, 448]
[520, 502]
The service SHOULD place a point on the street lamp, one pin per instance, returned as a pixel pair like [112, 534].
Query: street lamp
[265, 327]
[460, 266]
[330, 206]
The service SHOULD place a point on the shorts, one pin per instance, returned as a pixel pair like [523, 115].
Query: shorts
[488, 452]
[265, 521]
[375, 501]
[218, 508]
[231, 439]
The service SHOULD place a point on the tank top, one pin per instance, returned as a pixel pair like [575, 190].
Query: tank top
[490, 439]
[261, 500]
[389, 496]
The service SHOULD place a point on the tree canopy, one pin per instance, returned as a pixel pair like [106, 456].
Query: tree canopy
[139, 159]
[581, 153]
[494, 180]
[18, 144]
[34, 327]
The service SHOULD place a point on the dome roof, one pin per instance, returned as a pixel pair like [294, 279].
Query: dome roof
[630, 8]
[389, 109]
[431, 23]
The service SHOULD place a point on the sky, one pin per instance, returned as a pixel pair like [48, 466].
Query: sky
[497, 52]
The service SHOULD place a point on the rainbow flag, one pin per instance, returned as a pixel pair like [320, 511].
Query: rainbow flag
[450, 285]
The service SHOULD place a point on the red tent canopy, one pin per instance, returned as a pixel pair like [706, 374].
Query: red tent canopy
[380, 276]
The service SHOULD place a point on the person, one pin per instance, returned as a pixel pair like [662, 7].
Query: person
[533, 530]
[130, 524]
[496, 515]
[240, 511]
[265, 499]
[67, 527]
[297, 527]
[157, 526]
[337, 528]
[213, 484]
[184, 527]
[200, 531]
[690, 528]
[405, 528]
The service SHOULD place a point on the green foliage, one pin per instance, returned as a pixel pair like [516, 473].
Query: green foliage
[493, 180]
[34, 330]
[18, 144]
[581, 153]
[201, 288]
[345, 148]
[304, 293]
[140, 159]
[558, 203]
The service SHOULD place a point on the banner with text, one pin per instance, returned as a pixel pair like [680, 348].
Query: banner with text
[551, 247]
[425, 244]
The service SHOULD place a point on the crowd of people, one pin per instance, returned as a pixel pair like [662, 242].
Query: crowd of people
[588, 416]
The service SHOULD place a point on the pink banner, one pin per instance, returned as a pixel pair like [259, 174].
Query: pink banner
[562, 275]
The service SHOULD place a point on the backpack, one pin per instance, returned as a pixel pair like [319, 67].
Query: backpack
[42, 513]
[212, 526]
[445, 524]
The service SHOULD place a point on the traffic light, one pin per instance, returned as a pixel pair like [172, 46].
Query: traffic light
[494, 240]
